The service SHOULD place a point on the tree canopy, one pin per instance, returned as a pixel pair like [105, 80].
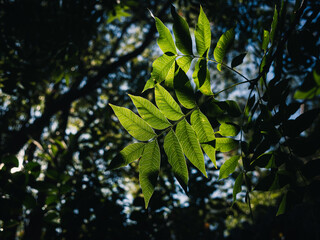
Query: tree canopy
[218, 102]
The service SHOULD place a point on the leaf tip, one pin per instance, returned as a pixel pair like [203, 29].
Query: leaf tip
[151, 14]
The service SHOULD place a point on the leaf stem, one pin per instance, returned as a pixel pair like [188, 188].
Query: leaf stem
[173, 125]
[232, 86]
[244, 169]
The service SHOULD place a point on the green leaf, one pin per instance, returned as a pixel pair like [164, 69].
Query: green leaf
[201, 77]
[183, 90]
[238, 60]
[117, 13]
[222, 46]
[10, 161]
[150, 113]
[237, 186]
[293, 128]
[136, 126]
[229, 166]
[149, 167]
[211, 152]
[307, 95]
[173, 149]
[129, 154]
[274, 25]
[282, 206]
[181, 33]
[149, 84]
[233, 108]
[225, 144]
[165, 40]
[229, 129]
[168, 106]
[316, 77]
[170, 77]
[203, 34]
[161, 67]
[184, 63]
[266, 39]
[202, 126]
[190, 145]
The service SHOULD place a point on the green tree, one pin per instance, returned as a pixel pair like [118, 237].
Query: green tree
[270, 141]
[62, 62]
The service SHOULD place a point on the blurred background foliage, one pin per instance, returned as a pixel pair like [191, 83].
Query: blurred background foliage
[62, 62]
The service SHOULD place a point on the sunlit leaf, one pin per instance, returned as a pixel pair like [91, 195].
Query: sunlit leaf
[210, 151]
[183, 90]
[238, 60]
[176, 158]
[229, 166]
[316, 77]
[202, 126]
[203, 34]
[274, 25]
[308, 94]
[266, 39]
[150, 113]
[201, 77]
[136, 126]
[184, 63]
[129, 154]
[237, 186]
[170, 76]
[222, 46]
[117, 13]
[228, 129]
[181, 33]
[149, 167]
[149, 84]
[165, 40]
[225, 144]
[190, 145]
[161, 67]
[168, 106]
